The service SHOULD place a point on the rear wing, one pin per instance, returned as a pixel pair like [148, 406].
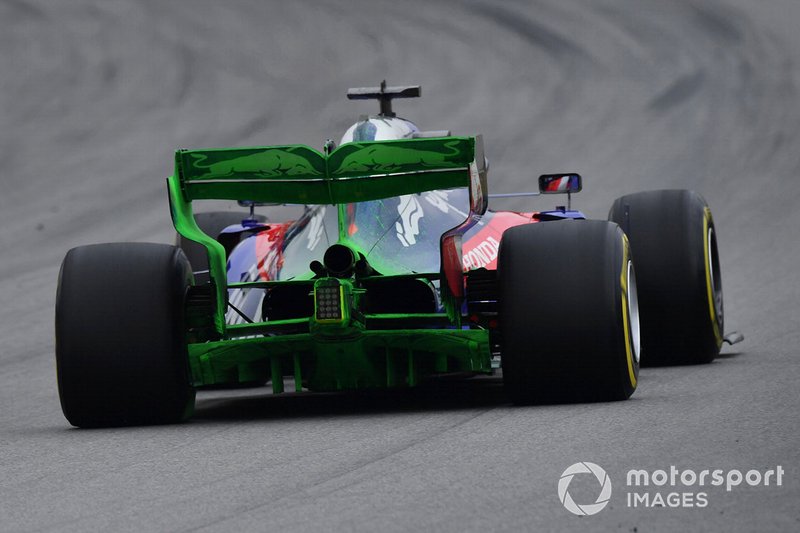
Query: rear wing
[355, 172]
[297, 174]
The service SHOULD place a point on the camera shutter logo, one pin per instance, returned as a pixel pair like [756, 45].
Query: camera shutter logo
[584, 468]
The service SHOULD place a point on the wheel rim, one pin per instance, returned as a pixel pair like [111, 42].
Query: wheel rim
[714, 273]
[633, 312]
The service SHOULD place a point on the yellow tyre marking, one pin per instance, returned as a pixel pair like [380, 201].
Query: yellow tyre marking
[712, 307]
[625, 311]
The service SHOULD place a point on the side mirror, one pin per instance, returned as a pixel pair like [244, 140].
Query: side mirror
[560, 183]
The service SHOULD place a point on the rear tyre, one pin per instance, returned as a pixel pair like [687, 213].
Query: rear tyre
[568, 313]
[121, 352]
[212, 224]
[674, 241]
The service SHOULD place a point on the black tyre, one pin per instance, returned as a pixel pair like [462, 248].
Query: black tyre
[212, 223]
[120, 339]
[568, 313]
[674, 243]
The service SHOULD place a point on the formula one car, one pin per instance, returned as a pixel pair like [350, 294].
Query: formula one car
[395, 272]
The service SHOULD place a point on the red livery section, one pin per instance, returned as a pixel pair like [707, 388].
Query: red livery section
[480, 250]
[269, 250]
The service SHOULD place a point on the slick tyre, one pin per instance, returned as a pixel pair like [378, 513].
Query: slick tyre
[568, 313]
[212, 223]
[121, 352]
[674, 243]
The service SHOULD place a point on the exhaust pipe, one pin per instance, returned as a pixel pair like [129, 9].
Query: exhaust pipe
[339, 260]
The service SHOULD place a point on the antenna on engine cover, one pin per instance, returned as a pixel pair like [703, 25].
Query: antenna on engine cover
[384, 95]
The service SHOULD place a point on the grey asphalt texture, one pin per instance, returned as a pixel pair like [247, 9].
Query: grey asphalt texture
[633, 94]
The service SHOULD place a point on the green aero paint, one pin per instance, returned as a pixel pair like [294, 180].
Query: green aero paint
[371, 359]
[331, 356]
[388, 159]
[257, 162]
[297, 174]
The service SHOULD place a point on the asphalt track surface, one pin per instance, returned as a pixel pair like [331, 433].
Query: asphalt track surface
[634, 94]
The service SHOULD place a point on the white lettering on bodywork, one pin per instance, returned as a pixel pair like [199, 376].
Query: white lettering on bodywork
[410, 212]
[483, 254]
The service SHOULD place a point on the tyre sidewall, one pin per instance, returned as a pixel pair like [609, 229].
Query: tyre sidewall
[120, 339]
